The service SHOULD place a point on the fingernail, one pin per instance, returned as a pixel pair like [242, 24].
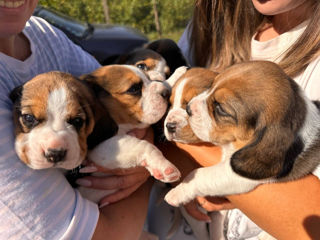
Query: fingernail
[208, 220]
[83, 182]
[104, 204]
[88, 169]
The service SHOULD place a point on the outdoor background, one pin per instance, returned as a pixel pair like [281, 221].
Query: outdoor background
[155, 18]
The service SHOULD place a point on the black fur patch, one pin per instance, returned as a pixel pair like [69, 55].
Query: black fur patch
[293, 152]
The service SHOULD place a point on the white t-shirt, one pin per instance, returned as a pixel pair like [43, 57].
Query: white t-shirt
[238, 225]
[39, 204]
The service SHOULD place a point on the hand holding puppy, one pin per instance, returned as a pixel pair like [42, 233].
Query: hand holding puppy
[124, 181]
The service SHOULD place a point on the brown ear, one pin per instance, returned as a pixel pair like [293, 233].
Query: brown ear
[271, 154]
[16, 93]
[105, 127]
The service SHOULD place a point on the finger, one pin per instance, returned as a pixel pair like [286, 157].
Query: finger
[149, 136]
[193, 210]
[214, 203]
[138, 132]
[92, 167]
[119, 195]
[112, 182]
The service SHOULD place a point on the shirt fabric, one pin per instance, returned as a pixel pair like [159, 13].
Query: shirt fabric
[39, 204]
[238, 225]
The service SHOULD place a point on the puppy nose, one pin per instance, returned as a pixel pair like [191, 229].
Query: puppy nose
[188, 109]
[171, 126]
[55, 155]
[165, 93]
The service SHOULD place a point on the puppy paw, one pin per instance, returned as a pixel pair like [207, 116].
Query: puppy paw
[162, 170]
[176, 197]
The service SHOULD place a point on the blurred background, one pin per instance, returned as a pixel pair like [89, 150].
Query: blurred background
[108, 29]
[154, 18]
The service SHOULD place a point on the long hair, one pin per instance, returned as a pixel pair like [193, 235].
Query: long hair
[221, 33]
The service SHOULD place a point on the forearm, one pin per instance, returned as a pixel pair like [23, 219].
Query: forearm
[285, 210]
[124, 219]
[288, 210]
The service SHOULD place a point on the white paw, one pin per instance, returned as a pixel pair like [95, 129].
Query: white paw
[176, 75]
[177, 196]
[162, 170]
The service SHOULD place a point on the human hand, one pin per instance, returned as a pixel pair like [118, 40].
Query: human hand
[123, 182]
[209, 204]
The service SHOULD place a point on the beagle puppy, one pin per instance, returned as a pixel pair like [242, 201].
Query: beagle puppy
[59, 117]
[267, 128]
[133, 101]
[149, 61]
[158, 59]
[184, 88]
[54, 114]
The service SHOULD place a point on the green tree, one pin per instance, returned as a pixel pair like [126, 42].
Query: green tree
[173, 14]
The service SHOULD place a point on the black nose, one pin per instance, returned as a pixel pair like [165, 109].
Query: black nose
[189, 112]
[165, 93]
[171, 126]
[55, 155]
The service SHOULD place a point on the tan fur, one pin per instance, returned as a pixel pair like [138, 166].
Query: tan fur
[196, 81]
[116, 80]
[34, 101]
[255, 101]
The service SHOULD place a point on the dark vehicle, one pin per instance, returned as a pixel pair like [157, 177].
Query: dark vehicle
[105, 42]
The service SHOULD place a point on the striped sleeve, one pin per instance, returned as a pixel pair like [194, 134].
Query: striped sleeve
[38, 204]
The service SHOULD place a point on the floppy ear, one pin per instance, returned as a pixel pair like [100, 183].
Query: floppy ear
[271, 154]
[90, 81]
[16, 93]
[105, 127]
[170, 51]
[122, 59]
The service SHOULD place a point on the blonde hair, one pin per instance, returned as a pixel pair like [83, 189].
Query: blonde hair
[221, 33]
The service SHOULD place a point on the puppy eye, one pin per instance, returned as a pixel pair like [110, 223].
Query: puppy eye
[77, 122]
[219, 110]
[142, 66]
[29, 120]
[135, 89]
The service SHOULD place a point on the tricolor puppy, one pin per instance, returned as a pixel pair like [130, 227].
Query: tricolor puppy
[54, 114]
[149, 61]
[267, 128]
[133, 101]
[186, 87]
[158, 59]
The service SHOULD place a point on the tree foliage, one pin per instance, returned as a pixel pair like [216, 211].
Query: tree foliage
[173, 14]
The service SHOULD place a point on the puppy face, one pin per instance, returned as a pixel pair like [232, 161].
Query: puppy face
[189, 85]
[129, 95]
[53, 117]
[149, 61]
[255, 111]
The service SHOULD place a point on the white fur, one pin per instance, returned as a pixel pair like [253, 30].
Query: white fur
[125, 151]
[159, 71]
[56, 133]
[154, 106]
[200, 121]
[176, 75]
[220, 179]
[312, 124]
[176, 113]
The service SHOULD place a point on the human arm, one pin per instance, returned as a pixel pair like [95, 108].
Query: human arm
[288, 210]
[116, 217]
